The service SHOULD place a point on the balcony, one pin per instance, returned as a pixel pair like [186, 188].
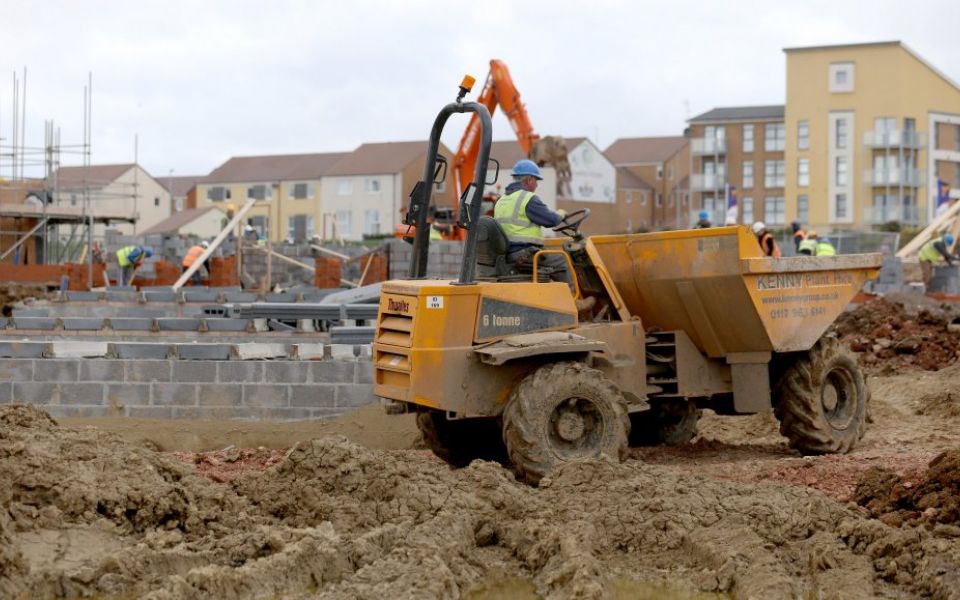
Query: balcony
[897, 138]
[706, 182]
[712, 146]
[895, 176]
[906, 214]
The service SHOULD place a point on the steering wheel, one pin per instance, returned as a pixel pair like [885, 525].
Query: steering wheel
[570, 224]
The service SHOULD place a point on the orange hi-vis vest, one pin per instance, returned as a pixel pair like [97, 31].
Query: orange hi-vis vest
[773, 243]
[192, 255]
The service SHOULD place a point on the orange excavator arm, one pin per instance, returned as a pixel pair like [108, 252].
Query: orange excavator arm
[498, 90]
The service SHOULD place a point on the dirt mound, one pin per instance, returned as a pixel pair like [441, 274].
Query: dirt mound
[90, 515]
[892, 339]
[930, 497]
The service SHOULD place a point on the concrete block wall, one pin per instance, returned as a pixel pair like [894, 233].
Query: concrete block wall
[442, 263]
[201, 389]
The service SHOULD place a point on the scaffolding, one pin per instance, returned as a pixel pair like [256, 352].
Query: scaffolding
[48, 204]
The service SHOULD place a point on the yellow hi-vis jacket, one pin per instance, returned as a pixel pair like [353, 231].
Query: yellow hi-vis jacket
[124, 256]
[510, 212]
[825, 249]
[810, 245]
[929, 253]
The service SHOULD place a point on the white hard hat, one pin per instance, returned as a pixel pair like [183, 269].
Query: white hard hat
[758, 227]
[205, 244]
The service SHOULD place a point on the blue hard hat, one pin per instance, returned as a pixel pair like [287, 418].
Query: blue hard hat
[948, 239]
[526, 167]
[704, 215]
[148, 252]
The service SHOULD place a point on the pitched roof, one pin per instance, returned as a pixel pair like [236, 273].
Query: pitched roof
[380, 158]
[627, 151]
[277, 167]
[94, 175]
[628, 179]
[740, 113]
[181, 184]
[508, 152]
[178, 219]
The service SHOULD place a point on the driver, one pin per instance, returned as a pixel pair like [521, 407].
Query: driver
[521, 213]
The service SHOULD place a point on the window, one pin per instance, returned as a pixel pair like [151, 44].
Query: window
[773, 210]
[773, 174]
[841, 170]
[841, 139]
[803, 172]
[344, 187]
[371, 222]
[885, 168]
[627, 197]
[747, 182]
[659, 199]
[156, 201]
[803, 208]
[841, 77]
[686, 199]
[299, 227]
[218, 194]
[643, 198]
[747, 210]
[304, 191]
[259, 224]
[884, 125]
[629, 225]
[670, 173]
[372, 185]
[841, 206]
[441, 187]
[659, 172]
[670, 199]
[343, 222]
[748, 138]
[257, 192]
[803, 135]
[774, 137]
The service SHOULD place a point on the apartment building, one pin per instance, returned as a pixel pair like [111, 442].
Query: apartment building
[364, 193]
[287, 188]
[742, 147]
[652, 182]
[870, 128]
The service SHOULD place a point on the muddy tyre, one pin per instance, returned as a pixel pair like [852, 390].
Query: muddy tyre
[671, 422]
[822, 400]
[460, 442]
[560, 413]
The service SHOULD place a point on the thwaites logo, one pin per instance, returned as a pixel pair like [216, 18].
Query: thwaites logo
[398, 305]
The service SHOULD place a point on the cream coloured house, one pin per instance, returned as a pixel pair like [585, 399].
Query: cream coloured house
[124, 188]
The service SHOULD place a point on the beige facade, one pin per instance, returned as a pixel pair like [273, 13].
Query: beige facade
[873, 116]
[127, 189]
[652, 182]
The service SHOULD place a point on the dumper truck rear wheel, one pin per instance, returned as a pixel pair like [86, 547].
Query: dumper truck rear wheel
[822, 400]
[460, 442]
[560, 413]
[672, 422]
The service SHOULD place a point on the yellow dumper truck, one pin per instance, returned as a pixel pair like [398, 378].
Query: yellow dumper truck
[502, 365]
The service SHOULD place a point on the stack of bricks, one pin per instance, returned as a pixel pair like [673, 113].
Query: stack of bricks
[377, 269]
[327, 272]
[165, 273]
[77, 274]
[223, 271]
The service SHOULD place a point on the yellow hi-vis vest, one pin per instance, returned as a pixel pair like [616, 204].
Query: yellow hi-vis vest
[123, 256]
[510, 212]
[826, 249]
[928, 253]
[810, 245]
[435, 233]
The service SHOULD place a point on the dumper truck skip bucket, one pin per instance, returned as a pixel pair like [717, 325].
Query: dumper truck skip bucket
[718, 287]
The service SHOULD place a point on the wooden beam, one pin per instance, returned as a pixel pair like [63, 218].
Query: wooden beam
[237, 217]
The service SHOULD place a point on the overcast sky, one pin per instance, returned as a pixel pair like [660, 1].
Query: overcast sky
[199, 82]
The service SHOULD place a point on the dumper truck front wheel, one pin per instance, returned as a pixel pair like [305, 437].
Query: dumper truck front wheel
[822, 400]
[460, 442]
[563, 412]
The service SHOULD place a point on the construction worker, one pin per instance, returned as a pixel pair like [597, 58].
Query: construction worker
[521, 214]
[191, 257]
[932, 252]
[798, 234]
[130, 259]
[729, 221]
[703, 220]
[825, 248]
[808, 246]
[766, 241]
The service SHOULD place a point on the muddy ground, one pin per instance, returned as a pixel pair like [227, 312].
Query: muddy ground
[356, 509]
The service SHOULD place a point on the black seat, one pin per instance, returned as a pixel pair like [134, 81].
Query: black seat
[492, 248]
